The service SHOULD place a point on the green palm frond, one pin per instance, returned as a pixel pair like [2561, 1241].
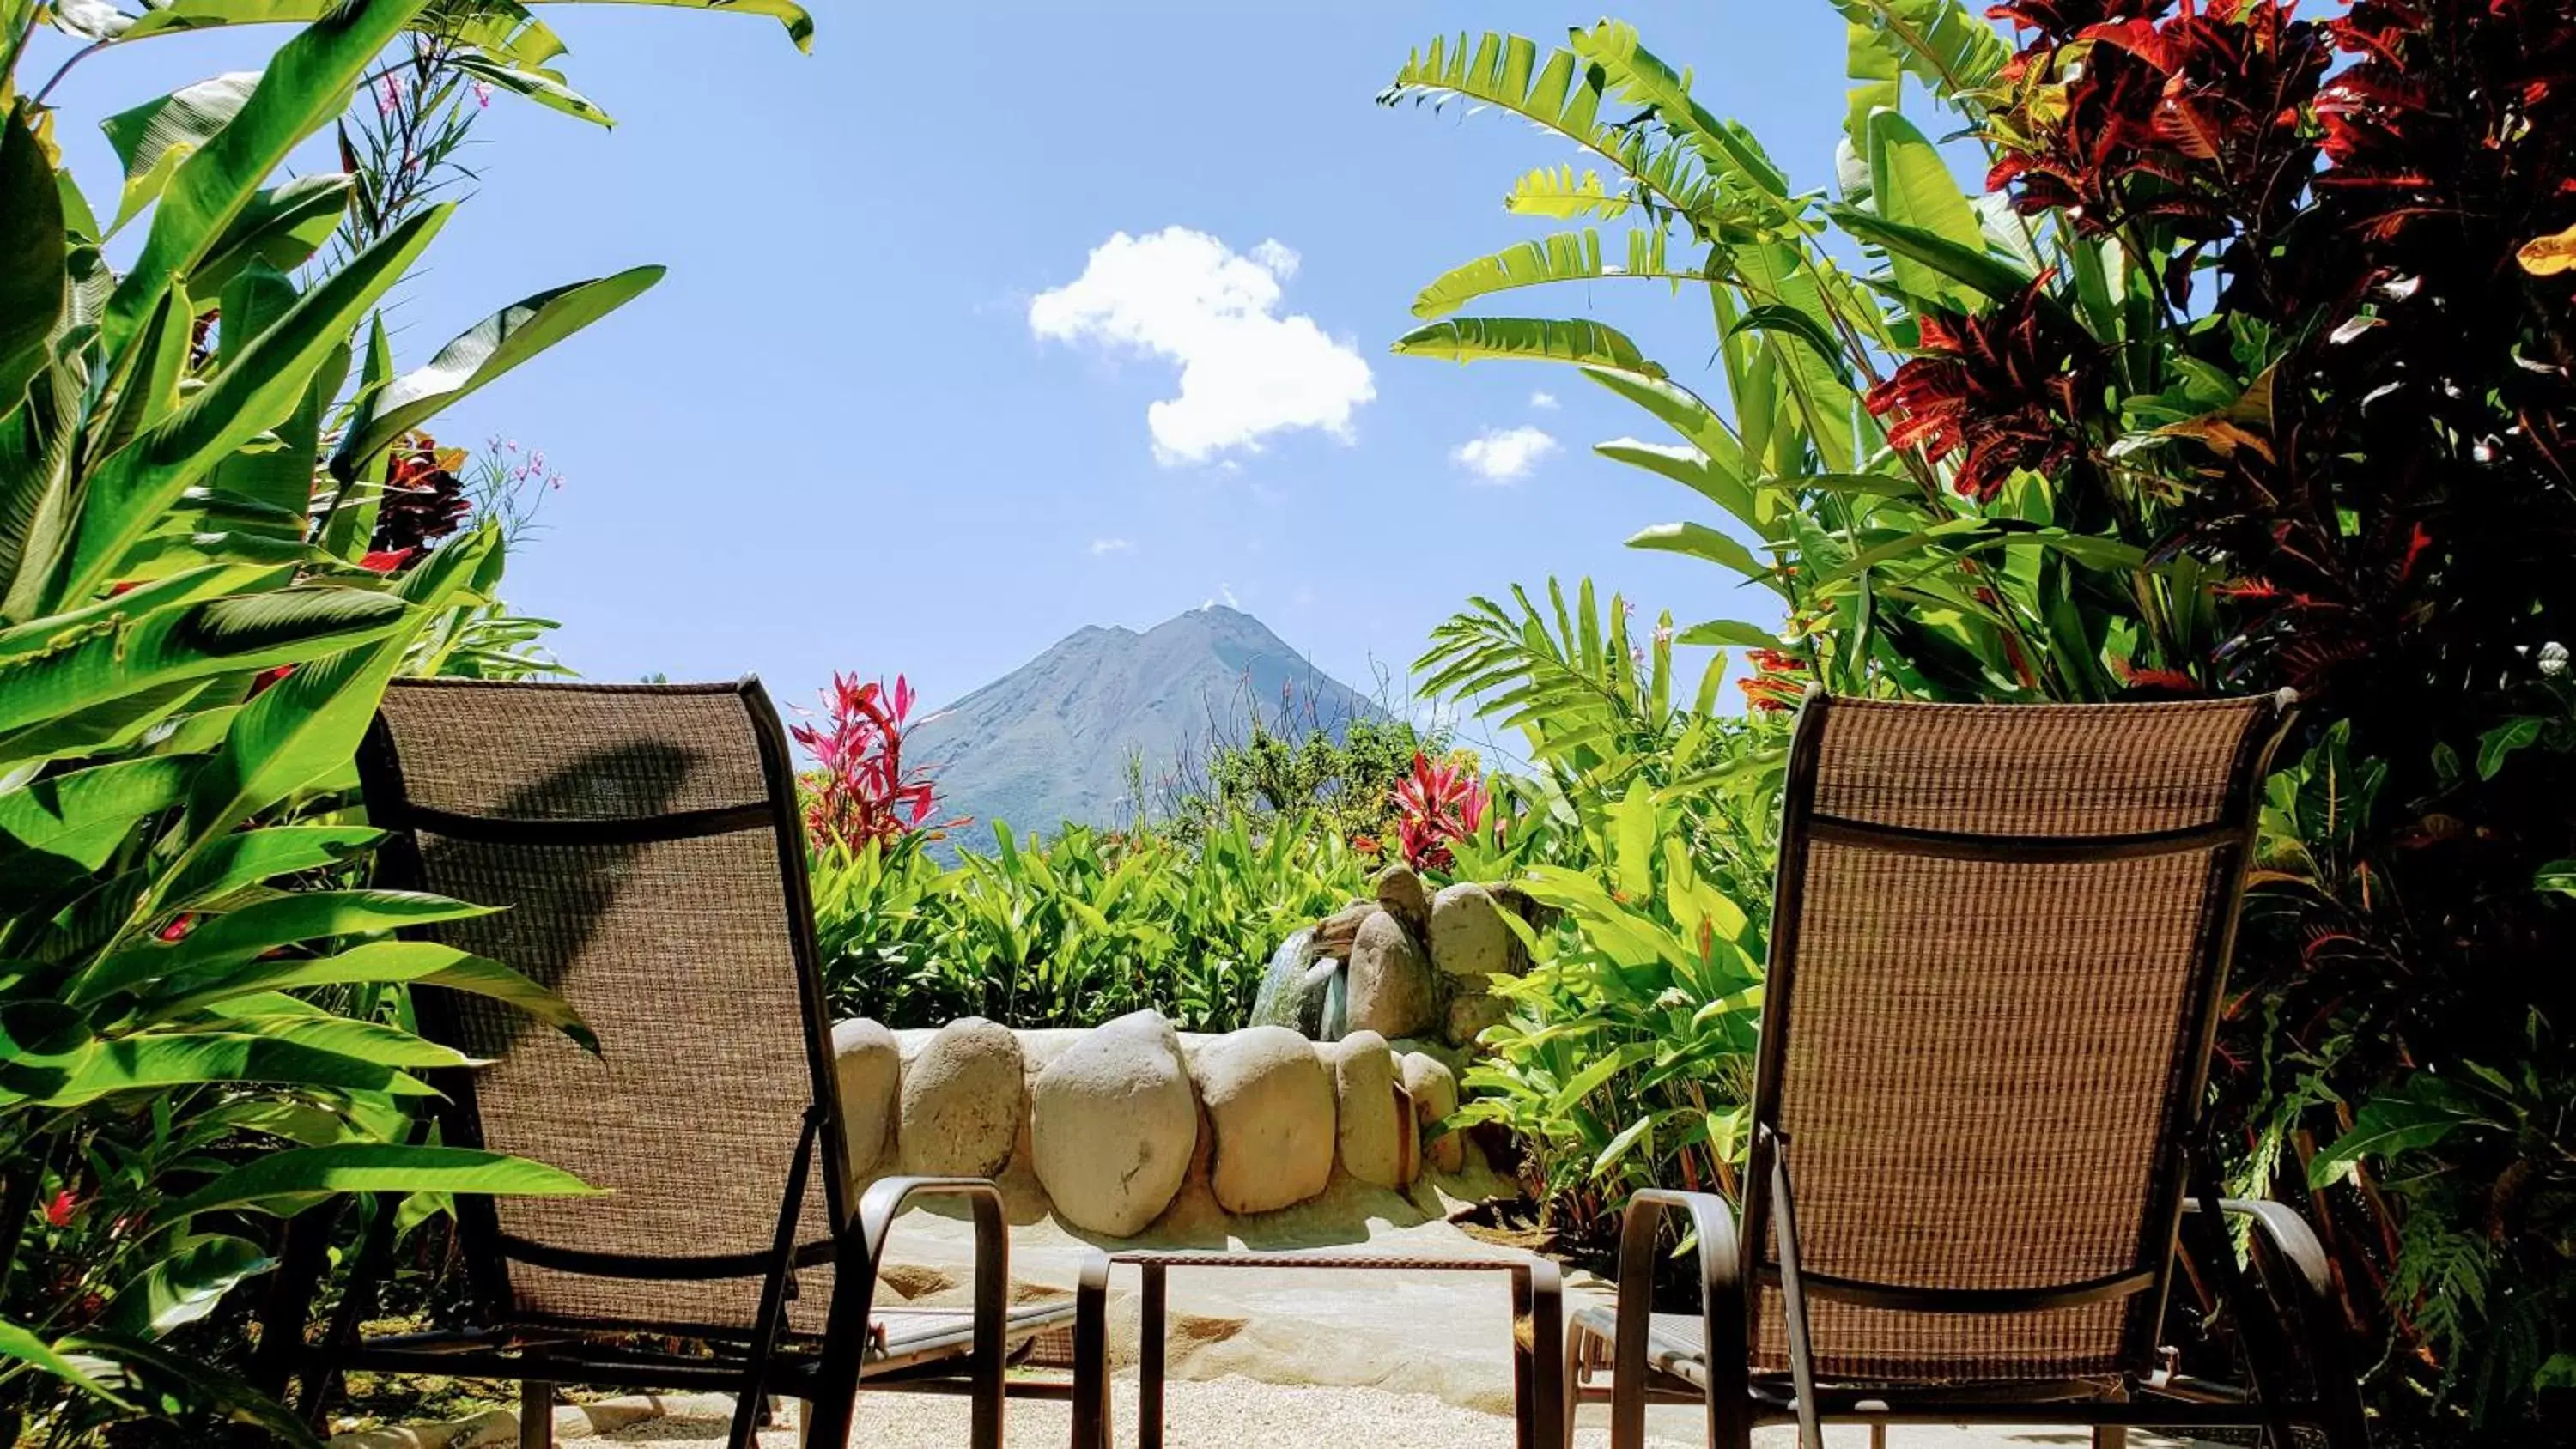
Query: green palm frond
[1725, 148]
[1941, 43]
[1573, 256]
[1558, 193]
[1564, 95]
[1528, 339]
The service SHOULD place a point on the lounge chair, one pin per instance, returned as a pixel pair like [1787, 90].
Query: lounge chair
[1978, 1146]
[646, 842]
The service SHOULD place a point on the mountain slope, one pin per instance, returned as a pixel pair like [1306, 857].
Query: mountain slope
[1051, 740]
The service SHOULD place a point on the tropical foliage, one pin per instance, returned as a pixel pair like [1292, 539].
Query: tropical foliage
[1626, 1061]
[1077, 929]
[2248, 367]
[1288, 762]
[221, 533]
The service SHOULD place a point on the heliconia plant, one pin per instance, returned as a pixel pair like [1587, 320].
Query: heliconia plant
[1439, 804]
[861, 791]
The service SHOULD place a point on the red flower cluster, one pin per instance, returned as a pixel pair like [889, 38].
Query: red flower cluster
[2011, 388]
[860, 790]
[1777, 683]
[1436, 805]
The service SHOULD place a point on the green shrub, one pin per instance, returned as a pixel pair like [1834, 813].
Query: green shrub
[1626, 1060]
[1076, 930]
[203, 1019]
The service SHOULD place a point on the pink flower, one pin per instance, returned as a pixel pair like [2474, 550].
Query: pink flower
[861, 790]
[483, 94]
[61, 1210]
[1437, 805]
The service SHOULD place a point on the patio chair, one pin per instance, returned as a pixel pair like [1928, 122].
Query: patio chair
[646, 844]
[1978, 1148]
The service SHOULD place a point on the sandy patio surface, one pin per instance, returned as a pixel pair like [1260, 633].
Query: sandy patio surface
[1345, 1359]
[1237, 1413]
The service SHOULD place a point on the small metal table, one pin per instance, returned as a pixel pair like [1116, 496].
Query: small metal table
[1538, 1331]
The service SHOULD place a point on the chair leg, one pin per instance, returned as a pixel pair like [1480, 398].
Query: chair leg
[536, 1415]
[1554, 1401]
[1572, 1383]
[1091, 1428]
[2110, 1436]
[1149, 1356]
[1793, 1297]
[751, 1401]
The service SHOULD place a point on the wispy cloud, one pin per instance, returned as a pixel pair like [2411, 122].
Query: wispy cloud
[1101, 547]
[1503, 455]
[1224, 594]
[1246, 371]
[1544, 401]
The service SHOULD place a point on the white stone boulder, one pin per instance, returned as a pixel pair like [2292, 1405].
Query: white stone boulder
[1470, 1012]
[868, 1065]
[1468, 937]
[1374, 1122]
[1334, 934]
[1270, 1103]
[1112, 1122]
[961, 1101]
[1391, 990]
[1435, 1095]
[1401, 893]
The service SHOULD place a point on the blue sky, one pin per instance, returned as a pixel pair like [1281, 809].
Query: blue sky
[835, 437]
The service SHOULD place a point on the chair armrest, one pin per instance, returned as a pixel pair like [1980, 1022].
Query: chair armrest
[1723, 1318]
[861, 1253]
[886, 1199]
[1640, 1224]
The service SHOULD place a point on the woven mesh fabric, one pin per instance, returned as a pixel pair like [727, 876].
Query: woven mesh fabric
[2007, 769]
[573, 752]
[679, 955]
[1978, 1053]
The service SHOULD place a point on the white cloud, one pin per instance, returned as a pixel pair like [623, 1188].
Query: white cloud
[1543, 400]
[1102, 546]
[1503, 455]
[1246, 370]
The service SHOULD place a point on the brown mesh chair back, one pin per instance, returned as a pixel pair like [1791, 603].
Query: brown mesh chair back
[644, 845]
[2000, 939]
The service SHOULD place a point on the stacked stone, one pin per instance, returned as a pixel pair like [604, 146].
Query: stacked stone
[1111, 1121]
[1412, 965]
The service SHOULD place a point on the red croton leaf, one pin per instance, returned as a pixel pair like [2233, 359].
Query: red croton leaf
[2010, 389]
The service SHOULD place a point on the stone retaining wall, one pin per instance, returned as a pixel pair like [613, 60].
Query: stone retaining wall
[1117, 1127]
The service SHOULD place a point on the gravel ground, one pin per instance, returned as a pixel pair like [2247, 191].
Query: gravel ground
[1238, 1413]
